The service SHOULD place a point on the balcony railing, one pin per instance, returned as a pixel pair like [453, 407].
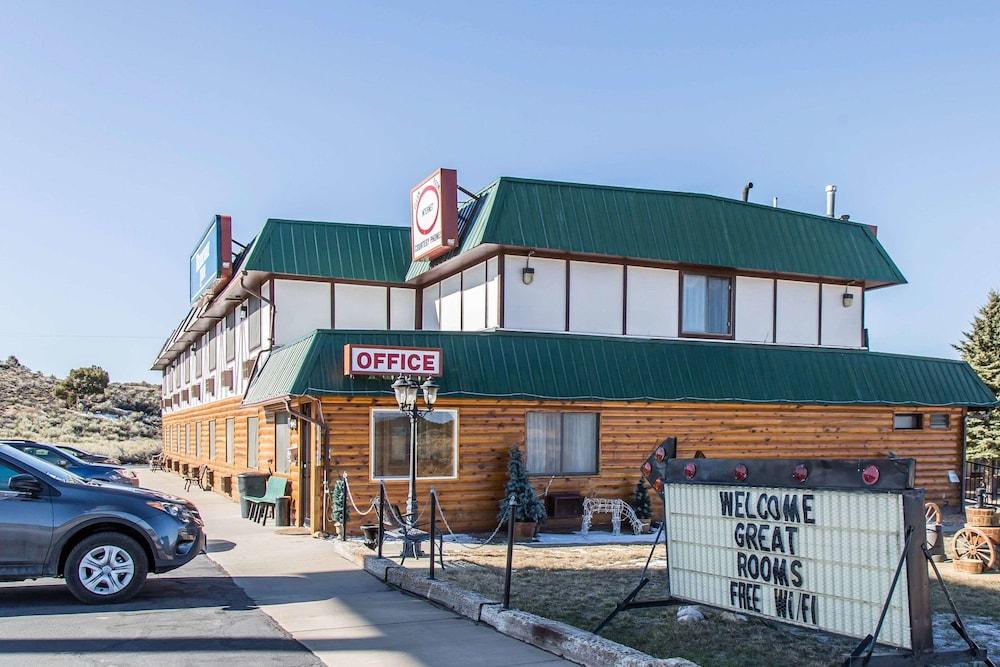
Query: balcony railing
[982, 475]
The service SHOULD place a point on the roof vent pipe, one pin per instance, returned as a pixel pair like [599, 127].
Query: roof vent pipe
[831, 197]
[775, 202]
[746, 190]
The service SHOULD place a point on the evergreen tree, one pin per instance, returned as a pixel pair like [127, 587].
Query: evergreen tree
[981, 349]
[529, 507]
[339, 501]
[640, 501]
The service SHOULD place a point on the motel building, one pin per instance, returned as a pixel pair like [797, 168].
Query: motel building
[583, 323]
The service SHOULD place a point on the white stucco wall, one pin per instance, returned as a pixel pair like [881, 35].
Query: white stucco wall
[841, 326]
[540, 306]
[359, 306]
[798, 312]
[474, 298]
[754, 309]
[302, 306]
[451, 303]
[595, 298]
[652, 302]
[402, 308]
[492, 293]
[430, 307]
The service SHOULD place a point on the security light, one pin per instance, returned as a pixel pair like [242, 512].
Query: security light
[527, 275]
[847, 299]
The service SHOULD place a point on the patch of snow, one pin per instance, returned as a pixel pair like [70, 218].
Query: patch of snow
[690, 614]
[983, 630]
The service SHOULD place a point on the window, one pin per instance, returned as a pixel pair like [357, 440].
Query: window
[230, 440]
[6, 472]
[282, 441]
[940, 420]
[213, 350]
[197, 440]
[187, 439]
[562, 443]
[705, 305]
[253, 426]
[196, 353]
[212, 435]
[437, 445]
[253, 322]
[230, 335]
[186, 360]
[907, 421]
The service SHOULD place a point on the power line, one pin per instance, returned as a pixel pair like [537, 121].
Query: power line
[16, 334]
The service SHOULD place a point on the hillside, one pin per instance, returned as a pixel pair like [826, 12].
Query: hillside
[124, 422]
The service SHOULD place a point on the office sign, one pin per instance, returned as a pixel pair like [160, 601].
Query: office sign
[434, 215]
[210, 264]
[809, 543]
[381, 360]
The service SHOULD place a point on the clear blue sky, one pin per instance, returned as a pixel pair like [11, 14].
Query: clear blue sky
[125, 126]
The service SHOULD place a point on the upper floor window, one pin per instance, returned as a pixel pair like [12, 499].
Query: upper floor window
[706, 305]
[213, 349]
[230, 335]
[196, 353]
[253, 322]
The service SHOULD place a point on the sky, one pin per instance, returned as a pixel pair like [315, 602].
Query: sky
[125, 126]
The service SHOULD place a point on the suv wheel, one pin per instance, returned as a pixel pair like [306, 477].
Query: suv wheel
[106, 568]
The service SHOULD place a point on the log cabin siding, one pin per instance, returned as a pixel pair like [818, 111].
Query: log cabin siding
[627, 433]
[220, 411]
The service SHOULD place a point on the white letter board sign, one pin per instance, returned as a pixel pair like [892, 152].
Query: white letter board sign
[809, 543]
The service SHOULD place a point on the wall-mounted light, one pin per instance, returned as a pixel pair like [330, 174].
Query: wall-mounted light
[244, 310]
[847, 299]
[293, 422]
[527, 273]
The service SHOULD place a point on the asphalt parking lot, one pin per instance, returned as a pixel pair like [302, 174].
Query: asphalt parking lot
[195, 615]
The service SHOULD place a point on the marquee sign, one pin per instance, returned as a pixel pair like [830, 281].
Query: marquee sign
[381, 360]
[434, 215]
[211, 262]
[810, 543]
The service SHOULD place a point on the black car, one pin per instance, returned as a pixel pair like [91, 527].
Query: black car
[57, 456]
[104, 539]
[87, 456]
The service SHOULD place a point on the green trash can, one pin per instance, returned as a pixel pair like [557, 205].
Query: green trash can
[281, 511]
[250, 484]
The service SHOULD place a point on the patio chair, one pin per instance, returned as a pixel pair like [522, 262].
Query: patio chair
[194, 476]
[157, 461]
[260, 506]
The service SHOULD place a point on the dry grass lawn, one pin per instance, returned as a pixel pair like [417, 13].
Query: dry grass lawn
[580, 585]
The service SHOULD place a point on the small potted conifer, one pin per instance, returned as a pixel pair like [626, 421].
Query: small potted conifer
[338, 497]
[641, 505]
[529, 510]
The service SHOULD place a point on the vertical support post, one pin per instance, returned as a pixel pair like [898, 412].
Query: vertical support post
[433, 527]
[411, 499]
[381, 516]
[511, 504]
[347, 511]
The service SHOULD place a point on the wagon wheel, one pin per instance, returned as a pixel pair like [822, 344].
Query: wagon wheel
[933, 514]
[973, 544]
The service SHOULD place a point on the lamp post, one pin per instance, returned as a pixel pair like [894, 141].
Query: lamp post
[407, 391]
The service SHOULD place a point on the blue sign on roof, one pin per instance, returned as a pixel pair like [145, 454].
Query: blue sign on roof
[206, 260]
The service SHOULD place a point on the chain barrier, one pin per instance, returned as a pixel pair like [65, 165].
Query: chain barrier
[444, 519]
[350, 496]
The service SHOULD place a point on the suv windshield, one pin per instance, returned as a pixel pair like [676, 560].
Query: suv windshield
[38, 465]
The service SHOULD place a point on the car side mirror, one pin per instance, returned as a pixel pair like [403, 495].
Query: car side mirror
[25, 484]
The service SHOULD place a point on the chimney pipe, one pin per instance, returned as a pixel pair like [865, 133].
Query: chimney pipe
[746, 190]
[775, 202]
[831, 197]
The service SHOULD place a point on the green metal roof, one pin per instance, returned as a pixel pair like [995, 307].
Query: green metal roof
[673, 227]
[331, 250]
[565, 367]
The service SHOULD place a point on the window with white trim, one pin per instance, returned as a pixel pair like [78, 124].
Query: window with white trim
[437, 445]
[562, 443]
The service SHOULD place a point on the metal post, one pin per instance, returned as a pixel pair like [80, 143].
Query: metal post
[433, 527]
[510, 551]
[411, 498]
[347, 491]
[381, 516]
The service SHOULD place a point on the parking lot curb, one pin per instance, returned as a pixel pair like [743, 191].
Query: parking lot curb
[555, 637]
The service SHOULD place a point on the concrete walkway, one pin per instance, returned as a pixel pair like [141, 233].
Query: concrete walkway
[339, 612]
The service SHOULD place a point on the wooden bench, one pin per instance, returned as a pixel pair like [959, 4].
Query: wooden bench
[195, 476]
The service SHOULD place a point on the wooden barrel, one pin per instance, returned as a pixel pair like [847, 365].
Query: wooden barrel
[992, 532]
[981, 516]
[969, 566]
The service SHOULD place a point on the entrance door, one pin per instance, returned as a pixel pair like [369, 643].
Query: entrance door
[305, 467]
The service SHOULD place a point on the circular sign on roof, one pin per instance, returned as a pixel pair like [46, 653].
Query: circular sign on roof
[428, 207]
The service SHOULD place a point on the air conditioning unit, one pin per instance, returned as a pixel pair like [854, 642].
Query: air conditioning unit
[196, 391]
[184, 394]
[210, 386]
[248, 367]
